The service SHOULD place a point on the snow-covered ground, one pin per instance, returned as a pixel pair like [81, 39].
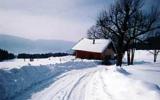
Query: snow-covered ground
[18, 63]
[100, 83]
[68, 78]
[143, 56]
[14, 81]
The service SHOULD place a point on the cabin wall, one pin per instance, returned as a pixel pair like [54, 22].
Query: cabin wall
[88, 55]
[109, 53]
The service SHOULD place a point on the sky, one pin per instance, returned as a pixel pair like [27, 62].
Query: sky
[50, 19]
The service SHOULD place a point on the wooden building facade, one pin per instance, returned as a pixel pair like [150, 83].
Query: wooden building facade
[94, 49]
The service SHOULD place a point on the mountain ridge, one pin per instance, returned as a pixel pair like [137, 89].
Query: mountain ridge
[17, 44]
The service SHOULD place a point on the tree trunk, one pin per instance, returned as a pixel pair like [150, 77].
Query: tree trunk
[155, 58]
[120, 52]
[128, 57]
[155, 55]
[119, 59]
[132, 56]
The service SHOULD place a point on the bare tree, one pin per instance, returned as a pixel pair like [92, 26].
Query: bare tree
[155, 54]
[97, 32]
[153, 41]
[125, 22]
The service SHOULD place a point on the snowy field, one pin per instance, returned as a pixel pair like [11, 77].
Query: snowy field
[67, 78]
[18, 63]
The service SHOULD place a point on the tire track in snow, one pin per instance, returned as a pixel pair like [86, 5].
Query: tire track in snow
[60, 91]
[47, 92]
[63, 88]
[104, 86]
[70, 87]
[68, 93]
[81, 87]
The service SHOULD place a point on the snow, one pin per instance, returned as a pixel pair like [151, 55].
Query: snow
[15, 81]
[67, 78]
[100, 83]
[18, 63]
[143, 56]
[87, 45]
[113, 85]
[146, 72]
[144, 68]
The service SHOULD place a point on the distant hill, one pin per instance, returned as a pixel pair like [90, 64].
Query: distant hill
[16, 45]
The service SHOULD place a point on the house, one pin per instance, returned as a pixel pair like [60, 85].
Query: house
[94, 49]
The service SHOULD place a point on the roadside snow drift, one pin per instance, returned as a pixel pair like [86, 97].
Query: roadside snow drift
[15, 81]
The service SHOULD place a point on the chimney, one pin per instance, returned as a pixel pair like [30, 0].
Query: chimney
[93, 41]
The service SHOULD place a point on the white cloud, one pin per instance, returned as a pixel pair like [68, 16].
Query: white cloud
[36, 27]
[48, 19]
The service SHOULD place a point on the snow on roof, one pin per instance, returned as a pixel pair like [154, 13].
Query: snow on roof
[87, 45]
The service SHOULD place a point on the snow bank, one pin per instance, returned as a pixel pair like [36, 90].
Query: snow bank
[18, 63]
[146, 72]
[14, 81]
[114, 84]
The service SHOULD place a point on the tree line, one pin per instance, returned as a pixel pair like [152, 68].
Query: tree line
[5, 55]
[47, 55]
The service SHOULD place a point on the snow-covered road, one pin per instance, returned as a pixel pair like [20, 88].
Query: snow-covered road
[70, 87]
[100, 83]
